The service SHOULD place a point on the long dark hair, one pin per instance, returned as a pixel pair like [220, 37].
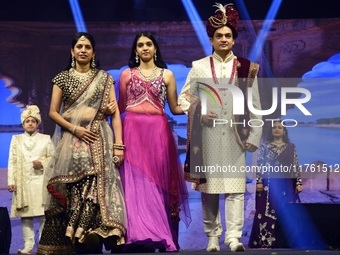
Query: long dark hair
[132, 61]
[74, 42]
[285, 135]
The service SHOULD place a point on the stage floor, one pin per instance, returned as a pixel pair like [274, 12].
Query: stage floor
[251, 252]
[192, 240]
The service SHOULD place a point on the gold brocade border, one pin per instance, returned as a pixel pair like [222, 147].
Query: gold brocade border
[50, 249]
[191, 115]
[107, 80]
[97, 148]
[111, 232]
[97, 152]
[72, 178]
[253, 70]
[190, 177]
[54, 211]
[189, 129]
[19, 179]
[79, 91]
[236, 118]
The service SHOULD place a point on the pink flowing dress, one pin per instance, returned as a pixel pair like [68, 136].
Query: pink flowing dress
[153, 180]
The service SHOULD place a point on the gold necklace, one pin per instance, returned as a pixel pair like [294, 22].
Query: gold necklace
[83, 76]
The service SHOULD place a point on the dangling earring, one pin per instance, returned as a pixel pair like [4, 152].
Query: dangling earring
[155, 56]
[93, 64]
[73, 64]
[137, 58]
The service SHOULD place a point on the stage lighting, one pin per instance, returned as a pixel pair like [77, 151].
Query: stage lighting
[198, 25]
[78, 16]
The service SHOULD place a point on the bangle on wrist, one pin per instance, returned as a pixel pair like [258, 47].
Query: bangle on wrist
[119, 146]
[74, 129]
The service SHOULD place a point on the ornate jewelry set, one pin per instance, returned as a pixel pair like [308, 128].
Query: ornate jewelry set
[83, 76]
[147, 78]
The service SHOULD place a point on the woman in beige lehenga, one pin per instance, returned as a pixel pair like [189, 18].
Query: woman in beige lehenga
[85, 202]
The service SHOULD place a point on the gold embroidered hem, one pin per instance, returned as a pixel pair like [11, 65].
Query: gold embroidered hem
[70, 232]
[49, 249]
[111, 232]
[81, 234]
[53, 239]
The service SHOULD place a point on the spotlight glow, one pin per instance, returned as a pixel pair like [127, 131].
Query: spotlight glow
[77, 16]
[246, 19]
[198, 25]
[257, 48]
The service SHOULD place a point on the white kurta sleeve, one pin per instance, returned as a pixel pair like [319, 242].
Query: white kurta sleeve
[255, 132]
[49, 153]
[187, 88]
[12, 162]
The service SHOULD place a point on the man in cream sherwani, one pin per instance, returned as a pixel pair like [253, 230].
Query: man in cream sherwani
[224, 144]
[29, 156]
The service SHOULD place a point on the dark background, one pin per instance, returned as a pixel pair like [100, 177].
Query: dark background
[156, 10]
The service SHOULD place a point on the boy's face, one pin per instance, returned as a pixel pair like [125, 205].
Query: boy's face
[30, 125]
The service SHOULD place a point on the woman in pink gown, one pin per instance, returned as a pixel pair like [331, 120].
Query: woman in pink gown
[152, 176]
